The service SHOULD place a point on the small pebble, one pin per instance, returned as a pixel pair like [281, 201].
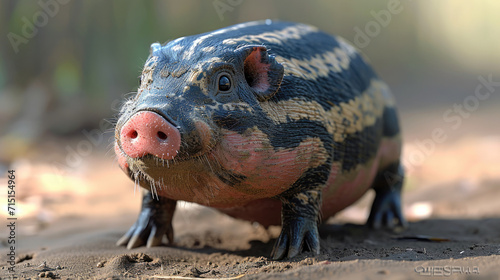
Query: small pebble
[196, 272]
[307, 261]
[47, 274]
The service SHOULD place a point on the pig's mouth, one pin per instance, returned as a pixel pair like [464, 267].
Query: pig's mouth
[182, 156]
[149, 167]
[171, 177]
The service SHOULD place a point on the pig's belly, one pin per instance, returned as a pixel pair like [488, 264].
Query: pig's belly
[341, 190]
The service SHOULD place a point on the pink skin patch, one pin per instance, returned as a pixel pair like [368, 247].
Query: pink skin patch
[149, 133]
[266, 212]
[258, 70]
[268, 172]
[341, 191]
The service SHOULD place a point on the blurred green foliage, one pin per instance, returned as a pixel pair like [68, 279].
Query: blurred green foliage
[83, 55]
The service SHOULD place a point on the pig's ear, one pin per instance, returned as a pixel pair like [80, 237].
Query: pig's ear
[262, 73]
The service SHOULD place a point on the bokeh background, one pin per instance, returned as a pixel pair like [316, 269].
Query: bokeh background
[65, 66]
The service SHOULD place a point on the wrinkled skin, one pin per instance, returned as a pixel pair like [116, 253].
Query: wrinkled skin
[277, 123]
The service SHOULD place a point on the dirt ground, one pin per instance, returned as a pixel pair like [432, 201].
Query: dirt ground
[69, 220]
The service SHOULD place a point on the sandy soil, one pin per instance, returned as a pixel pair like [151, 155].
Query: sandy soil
[69, 220]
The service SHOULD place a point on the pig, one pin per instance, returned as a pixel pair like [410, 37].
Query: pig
[272, 122]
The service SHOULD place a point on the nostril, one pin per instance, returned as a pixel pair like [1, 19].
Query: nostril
[161, 135]
[133, 134]
[148, 133]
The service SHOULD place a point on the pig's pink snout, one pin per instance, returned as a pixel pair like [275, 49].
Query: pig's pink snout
[149, 133]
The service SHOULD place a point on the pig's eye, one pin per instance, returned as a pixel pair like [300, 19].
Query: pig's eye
[224, 82]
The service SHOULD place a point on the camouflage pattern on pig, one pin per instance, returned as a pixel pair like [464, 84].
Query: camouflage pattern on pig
[272, 122]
